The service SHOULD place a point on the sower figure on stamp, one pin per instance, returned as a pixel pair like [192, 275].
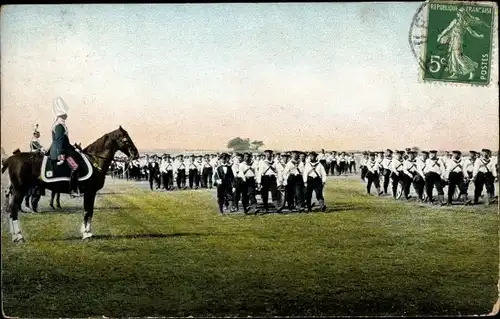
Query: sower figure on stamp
[420, 178]
[460, 64]
[434, 170]
[397, 172]
[372, 175]
[468, 172]
[247, 175]
[61, 149]
[455, 176]
[411, 176]
[224, 180]
[294, 181]
[267, 180]
[314, 179]
[484, 174]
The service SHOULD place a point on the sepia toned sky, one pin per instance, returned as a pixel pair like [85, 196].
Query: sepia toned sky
[310, 76]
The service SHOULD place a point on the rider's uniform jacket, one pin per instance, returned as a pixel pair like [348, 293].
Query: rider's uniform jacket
[60, 140]
[35, 145]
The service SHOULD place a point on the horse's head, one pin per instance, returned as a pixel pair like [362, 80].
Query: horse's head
[125, 144]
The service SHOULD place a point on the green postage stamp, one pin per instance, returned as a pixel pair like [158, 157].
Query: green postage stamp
[459, 42]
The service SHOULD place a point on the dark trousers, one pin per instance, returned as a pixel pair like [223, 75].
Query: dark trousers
[269, 184]
[373, 178]
[333, 167]
[433, 180]
[294, 191]
[352, 167]
[456, 179]
[314, 185]
[181, 178]
[396, 178]
[419, 185]
[224, 195]
[239, 188]
[340, 168]
[323, 162]
[484, 179]
[364, 170]
[192, 177]
[197, 179]
[154, 177]
[387, 178]
[206, 177]
[168, 179]
[248, 193]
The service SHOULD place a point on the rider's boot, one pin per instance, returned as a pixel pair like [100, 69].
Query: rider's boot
[73, 184]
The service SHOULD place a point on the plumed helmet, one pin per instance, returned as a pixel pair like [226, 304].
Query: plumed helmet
[59, 106]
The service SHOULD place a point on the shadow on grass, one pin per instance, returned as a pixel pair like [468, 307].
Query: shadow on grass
[77, 210]
[138, 236]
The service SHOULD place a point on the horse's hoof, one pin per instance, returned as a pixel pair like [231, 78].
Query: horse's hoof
[18, 238]
[86, 236]
[59, 207]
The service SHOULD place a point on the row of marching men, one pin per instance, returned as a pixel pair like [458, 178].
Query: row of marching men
[298, 174]
[429, 171]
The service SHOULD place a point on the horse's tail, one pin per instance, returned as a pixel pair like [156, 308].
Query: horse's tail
[5, 164]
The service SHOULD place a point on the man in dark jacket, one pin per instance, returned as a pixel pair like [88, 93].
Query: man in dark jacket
[224, 180]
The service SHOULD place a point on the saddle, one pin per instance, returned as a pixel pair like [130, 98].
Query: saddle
[50, 172]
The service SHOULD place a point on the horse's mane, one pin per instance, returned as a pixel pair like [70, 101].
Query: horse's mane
[101, 141]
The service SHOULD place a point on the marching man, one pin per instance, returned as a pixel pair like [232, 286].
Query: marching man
[420, 179]
[396, 172]
[454, 174]
[247, 174]
[434, 170]
[267, 180]
[372, 174]
[294, 183]
[411, 176]
[484, 174]
[224, 179]
[314, 179]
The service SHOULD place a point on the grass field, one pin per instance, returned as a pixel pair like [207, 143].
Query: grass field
[172, 254]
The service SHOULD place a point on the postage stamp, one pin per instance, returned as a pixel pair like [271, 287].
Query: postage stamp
[459, 41]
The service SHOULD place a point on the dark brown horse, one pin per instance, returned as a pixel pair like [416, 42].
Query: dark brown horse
[25, 172]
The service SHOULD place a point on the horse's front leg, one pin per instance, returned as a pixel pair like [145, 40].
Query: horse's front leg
[88, 206]
[14, 226]
[58, 200]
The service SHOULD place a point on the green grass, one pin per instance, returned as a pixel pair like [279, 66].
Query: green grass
[174, 255]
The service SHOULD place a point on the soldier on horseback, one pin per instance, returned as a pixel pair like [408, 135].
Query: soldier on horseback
[37, 191]
[61, 149]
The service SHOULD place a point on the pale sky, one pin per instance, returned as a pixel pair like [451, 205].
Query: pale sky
[309, 76]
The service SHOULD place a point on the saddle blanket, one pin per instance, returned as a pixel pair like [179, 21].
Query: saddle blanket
[51, 172]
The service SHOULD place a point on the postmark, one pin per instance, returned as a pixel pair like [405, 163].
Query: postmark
[453, 41]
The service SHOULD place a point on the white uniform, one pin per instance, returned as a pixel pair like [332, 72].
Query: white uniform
[314, 170]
